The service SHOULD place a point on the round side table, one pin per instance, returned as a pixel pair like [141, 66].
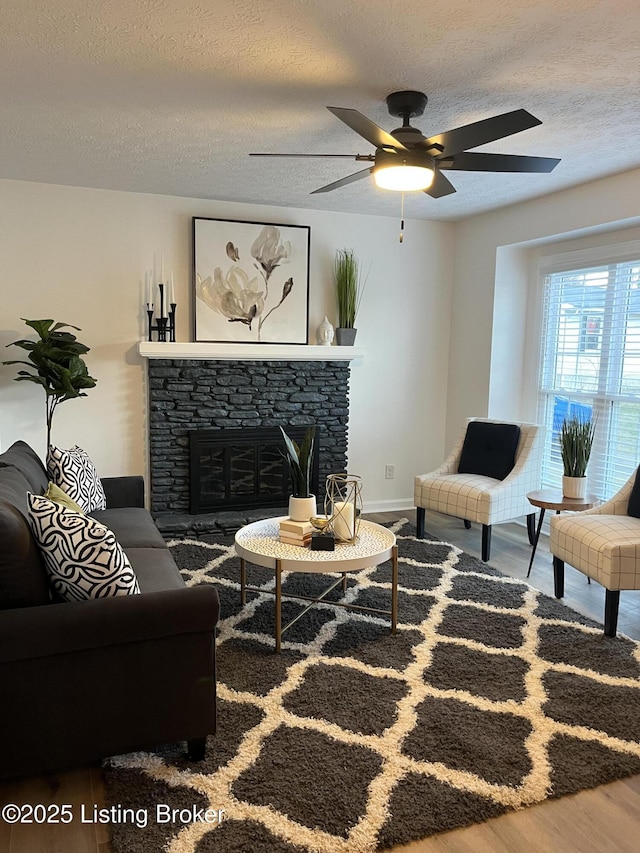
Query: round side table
[554, 499]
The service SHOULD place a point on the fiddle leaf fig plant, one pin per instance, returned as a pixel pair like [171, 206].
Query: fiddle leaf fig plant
[55, 363]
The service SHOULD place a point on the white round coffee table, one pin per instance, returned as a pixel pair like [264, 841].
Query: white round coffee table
[258, 543]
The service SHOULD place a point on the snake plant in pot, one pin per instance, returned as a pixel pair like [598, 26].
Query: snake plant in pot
[576, 441]
[302, 504]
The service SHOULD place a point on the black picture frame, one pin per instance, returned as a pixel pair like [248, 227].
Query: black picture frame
[250, 282]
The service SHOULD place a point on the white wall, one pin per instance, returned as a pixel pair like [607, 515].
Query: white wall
[508, 333]
[488, 366]
[79, 256]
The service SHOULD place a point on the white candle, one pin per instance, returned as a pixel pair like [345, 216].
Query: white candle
[343, 520]
[172, 297]
[162, 267]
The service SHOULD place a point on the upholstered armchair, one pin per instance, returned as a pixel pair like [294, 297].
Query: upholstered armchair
[604, 544]
[462, 485]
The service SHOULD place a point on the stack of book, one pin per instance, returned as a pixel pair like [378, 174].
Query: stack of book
[296, 532]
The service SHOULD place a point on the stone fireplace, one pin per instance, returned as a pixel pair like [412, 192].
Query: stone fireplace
[239, 395]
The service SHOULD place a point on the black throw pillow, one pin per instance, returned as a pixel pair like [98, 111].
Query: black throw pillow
[489, 449]
[633, 508]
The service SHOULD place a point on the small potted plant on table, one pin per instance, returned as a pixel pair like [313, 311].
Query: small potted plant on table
[576, 440]
[302, 504]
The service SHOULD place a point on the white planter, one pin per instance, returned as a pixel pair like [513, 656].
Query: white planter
[301, 509]
[574, 487]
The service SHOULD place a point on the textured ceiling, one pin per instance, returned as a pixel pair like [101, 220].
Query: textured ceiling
[170, 97]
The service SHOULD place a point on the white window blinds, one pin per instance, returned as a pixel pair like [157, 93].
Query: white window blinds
[590, 363]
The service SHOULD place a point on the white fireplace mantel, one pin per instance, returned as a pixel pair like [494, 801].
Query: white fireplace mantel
[247, 352]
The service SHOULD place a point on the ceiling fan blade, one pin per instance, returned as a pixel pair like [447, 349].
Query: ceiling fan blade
[367, 129]
[475, 161]
[479, 132]
[343, 181]
[440, 186]
[348, 156]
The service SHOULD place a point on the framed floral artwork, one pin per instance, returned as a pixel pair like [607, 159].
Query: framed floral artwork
[251, 282]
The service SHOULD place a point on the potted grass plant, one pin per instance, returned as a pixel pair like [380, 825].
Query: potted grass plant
[302, 504]
[576, 441]
[349, 287]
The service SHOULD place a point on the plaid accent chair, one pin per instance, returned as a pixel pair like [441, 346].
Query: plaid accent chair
[478, 497]
[604, 544]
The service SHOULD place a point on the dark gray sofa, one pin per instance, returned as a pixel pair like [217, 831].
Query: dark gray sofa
[80, 681]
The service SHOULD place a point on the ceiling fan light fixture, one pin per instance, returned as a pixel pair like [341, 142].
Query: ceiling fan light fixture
[393, 171]
[406, 161]
[403, 177]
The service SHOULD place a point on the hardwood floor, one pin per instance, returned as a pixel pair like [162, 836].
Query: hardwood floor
[78, 787]
[605, 818]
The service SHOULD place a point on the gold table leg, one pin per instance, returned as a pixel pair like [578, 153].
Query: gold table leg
[394, 589]
[343, 581]
[278, 606]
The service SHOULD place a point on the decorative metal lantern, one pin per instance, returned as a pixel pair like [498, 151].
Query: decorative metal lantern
[343, 505]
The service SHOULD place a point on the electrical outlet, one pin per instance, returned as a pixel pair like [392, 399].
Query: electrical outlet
[389, 472]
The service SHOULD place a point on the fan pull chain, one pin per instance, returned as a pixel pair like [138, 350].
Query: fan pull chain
[402, 218]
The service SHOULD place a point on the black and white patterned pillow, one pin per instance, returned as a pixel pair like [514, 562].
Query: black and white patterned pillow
[73, 471]
[82, 557]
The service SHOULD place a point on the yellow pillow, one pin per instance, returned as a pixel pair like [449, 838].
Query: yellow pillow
[55, 493]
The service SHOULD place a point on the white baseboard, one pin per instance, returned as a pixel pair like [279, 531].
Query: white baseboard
[393, 505]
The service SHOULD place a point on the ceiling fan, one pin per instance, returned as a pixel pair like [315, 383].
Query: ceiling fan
[405, 160]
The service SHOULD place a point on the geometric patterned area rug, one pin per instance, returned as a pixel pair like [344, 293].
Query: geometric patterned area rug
[491, 697]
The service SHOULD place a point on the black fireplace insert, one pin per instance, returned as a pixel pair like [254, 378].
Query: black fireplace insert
[232, 469]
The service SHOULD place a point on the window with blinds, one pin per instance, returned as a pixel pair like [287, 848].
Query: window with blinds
[590, 365]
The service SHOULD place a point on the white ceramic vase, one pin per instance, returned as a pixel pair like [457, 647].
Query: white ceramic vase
[301, 509]
[574, 487]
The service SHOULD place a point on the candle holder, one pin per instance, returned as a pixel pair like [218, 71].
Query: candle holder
[343, 506]
[165, 327]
